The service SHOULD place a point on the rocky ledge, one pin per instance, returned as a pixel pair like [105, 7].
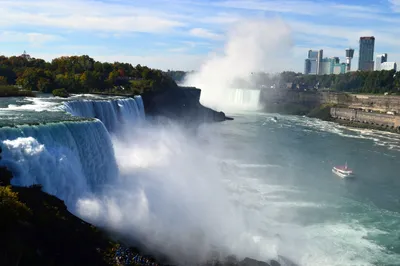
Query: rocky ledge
[181, 105]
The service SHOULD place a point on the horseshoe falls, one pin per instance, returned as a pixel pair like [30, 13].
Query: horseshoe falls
[245, 99]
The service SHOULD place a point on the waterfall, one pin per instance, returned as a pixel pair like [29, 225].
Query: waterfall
[68, 159]
[113, 113]
[244, 98]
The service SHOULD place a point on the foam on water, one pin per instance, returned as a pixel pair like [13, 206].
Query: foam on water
[69, 159]
[115, 114]
[178, 196]
[35, 104]
[381, 138]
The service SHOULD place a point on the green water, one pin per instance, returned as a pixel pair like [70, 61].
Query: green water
[283, 170]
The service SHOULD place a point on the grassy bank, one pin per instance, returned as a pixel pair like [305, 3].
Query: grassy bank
[11, 91]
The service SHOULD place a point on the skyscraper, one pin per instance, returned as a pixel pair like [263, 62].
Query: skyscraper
[312, 63]
[379, 60]
[349, 56]
[366, 53]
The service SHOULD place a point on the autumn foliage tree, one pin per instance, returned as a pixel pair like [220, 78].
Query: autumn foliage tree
[80, 74]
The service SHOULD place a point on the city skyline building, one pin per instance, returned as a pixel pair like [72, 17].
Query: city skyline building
[389, 66]
[313, 61]
[366, 53]
[315, 64]
[349, 57]
[332, 65]
[379, 60]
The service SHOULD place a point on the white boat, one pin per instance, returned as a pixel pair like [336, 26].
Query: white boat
[343, 171]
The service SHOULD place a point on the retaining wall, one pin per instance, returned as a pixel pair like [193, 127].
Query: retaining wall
[384, 120]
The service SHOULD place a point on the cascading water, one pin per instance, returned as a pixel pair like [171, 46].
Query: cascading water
[115, 114]
[246, 99]
[68, 159]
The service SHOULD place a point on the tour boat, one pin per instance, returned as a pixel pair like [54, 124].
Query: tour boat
[342, 171]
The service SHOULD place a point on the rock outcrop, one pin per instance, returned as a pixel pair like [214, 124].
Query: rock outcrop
[181, 105]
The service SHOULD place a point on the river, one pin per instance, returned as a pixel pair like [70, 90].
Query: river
[255, 186]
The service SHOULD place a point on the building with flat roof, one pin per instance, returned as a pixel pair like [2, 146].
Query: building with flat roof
[366, 54]
[312, 63]
[382, 58]
[349, 57]
[389, 66]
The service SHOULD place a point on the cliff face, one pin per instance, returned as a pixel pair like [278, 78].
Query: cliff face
[290, 101]
[311, 99]
[181, 105]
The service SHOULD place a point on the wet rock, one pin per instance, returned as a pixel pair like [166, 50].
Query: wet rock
[274, 263]
[181, 105]
[252, 262]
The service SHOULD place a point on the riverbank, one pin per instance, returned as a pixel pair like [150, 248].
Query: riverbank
[11, 91]
[354, 124]
[376, 112]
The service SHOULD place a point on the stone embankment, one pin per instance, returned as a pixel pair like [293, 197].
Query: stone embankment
[386, 121]
[361, 110]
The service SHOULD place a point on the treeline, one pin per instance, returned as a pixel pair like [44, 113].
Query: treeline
[178, 75]
[378, 82]
[80, 74]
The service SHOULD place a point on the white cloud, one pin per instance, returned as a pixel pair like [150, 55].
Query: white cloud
[204, 33]
[298, 7]
[33, 38]
[302, 7]
[395, 5]
[186, 26]
[85, 15]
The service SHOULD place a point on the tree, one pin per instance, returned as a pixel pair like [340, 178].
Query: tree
[45, 85]
[8, 73]
[11, 209]
[112, 77]
[60, 93]
[3, 80]
[29, 79]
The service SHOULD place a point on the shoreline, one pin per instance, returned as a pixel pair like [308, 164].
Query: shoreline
[322, 112]
[17, 94]
[359, 125]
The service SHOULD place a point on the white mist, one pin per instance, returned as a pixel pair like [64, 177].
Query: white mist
[172, 198]
[251, 46]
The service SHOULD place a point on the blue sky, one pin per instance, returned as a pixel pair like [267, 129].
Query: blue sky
[179, 34]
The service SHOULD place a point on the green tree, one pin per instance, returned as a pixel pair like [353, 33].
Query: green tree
[45, 85]
[29, 79]
[3, 80]
[112, 77]
[11, 209]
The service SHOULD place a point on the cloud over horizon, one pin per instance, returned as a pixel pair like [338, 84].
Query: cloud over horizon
[189, 30]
